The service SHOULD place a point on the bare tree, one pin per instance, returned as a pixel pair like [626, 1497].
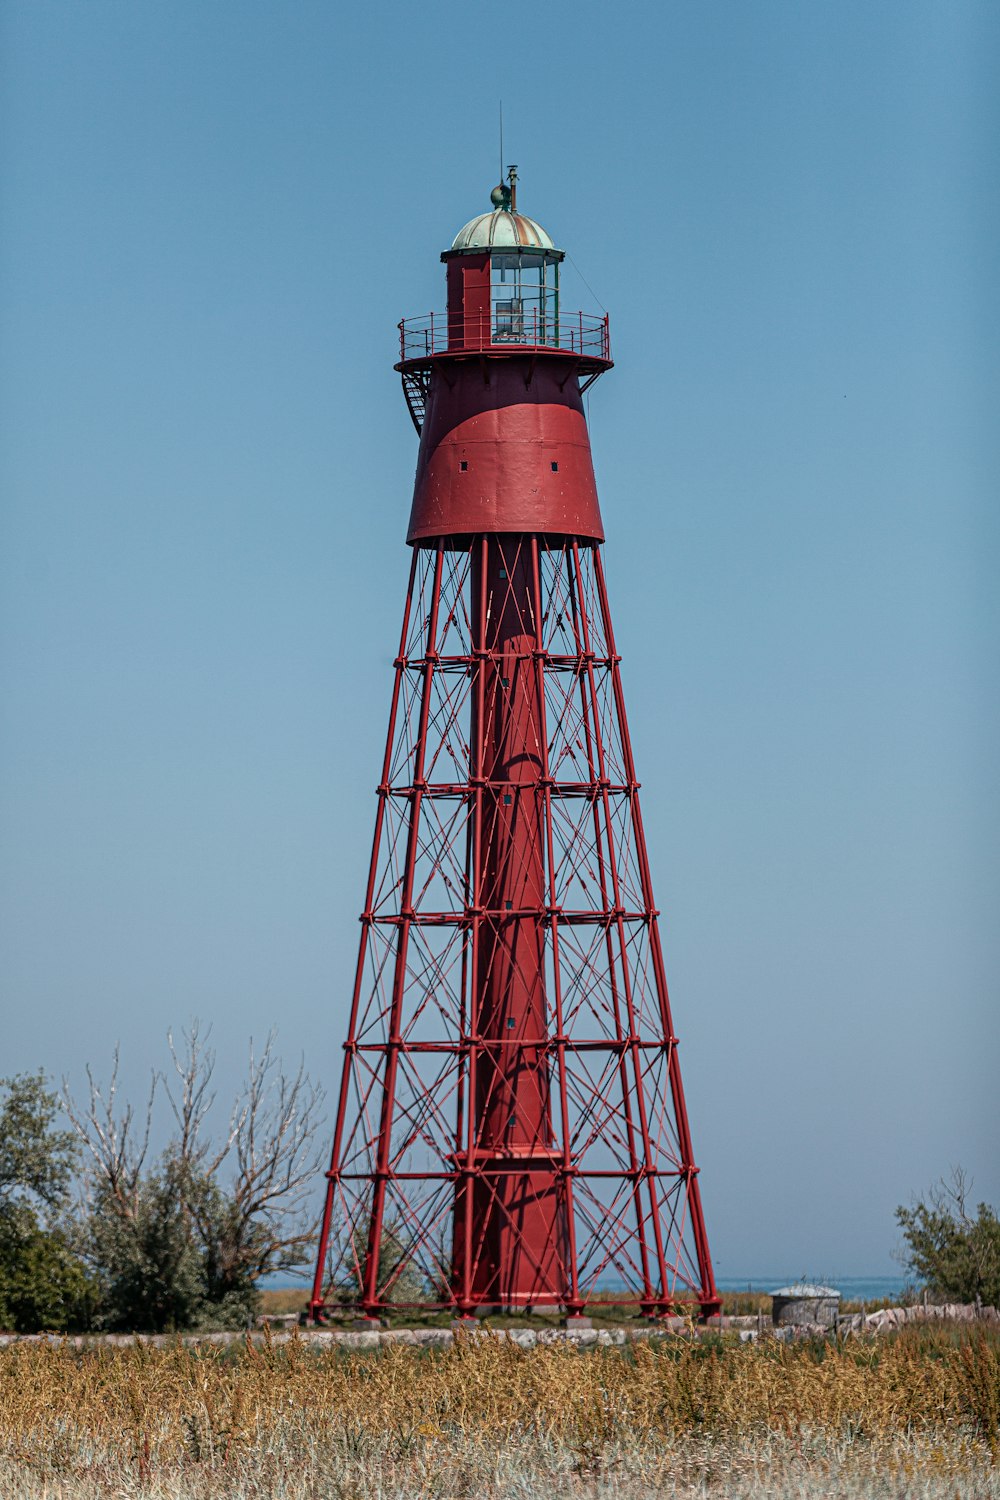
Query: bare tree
[274, 1136]
[269, 1147]
[218, 1208]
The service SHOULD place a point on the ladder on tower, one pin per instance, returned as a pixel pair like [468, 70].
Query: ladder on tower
[415, 391]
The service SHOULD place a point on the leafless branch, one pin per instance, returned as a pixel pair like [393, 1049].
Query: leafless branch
[274, 1127]
[951, 1195]
[116, 1145]
[193, 1102]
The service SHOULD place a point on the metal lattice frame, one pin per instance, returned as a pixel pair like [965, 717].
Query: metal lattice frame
[421, 1077]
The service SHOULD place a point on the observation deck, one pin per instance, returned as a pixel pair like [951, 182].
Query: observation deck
[498, 332]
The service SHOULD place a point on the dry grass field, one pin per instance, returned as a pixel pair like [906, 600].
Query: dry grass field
[909, 1415]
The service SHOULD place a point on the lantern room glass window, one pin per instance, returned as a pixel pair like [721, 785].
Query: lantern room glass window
[524, 298]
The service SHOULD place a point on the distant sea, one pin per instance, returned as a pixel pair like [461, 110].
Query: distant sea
[851, 1288]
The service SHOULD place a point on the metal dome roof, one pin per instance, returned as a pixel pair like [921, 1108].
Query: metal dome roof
[503, 229]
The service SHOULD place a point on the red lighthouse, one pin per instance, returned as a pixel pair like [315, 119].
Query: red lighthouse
[511, 1129]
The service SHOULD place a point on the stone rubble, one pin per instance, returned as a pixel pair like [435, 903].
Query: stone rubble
[884, 1320]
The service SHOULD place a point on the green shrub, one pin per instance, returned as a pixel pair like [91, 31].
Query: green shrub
[955, 1256]
[43, 1282]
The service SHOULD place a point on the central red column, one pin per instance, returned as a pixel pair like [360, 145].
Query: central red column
[510, 1232]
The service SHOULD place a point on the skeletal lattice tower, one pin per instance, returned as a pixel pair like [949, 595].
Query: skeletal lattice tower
[511, 1129]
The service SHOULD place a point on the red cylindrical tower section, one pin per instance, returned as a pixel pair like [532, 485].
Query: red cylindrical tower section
[504, 448]
[510, 1231]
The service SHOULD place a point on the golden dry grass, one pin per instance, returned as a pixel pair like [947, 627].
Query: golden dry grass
[274, 1301]
[912, 1415]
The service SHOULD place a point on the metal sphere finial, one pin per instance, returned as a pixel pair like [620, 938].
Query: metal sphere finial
[500, 196]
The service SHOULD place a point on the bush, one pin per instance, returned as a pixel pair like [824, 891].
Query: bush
[44, 1286]
[43, 1282]
[954, 1256]
[396, 1278]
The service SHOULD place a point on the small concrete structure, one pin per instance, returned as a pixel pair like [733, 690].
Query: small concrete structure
[805, 1304]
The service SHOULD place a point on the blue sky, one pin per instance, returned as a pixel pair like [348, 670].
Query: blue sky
[213, 216]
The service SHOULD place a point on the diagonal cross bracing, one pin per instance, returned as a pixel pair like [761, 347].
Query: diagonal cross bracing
[511, 1127]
